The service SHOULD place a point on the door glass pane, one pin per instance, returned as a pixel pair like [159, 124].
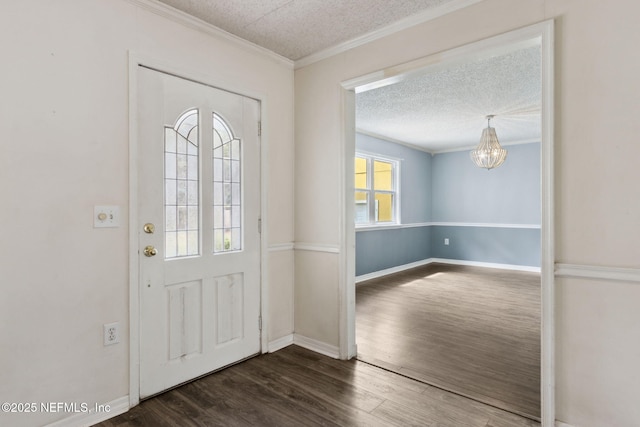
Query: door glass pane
[383, 175]
[227, 188]
[181, 187]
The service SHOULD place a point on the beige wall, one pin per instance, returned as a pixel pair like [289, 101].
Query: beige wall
[597, 207]
[64, 126]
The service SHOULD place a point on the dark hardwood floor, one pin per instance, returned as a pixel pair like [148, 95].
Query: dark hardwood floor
[471, 330]
[297, 387]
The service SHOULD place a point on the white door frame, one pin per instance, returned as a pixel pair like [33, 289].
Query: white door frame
[169, 67]
[545, 32]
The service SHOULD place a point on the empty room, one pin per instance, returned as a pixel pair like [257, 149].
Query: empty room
[448, 249]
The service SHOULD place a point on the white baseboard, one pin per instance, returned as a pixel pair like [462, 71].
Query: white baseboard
[403, 267]
[280, 343]
[392, 270]
[317, 346]
[561, 424]
[91, 417]
[488, 265]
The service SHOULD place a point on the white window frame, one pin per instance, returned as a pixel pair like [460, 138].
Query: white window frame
[373, 223]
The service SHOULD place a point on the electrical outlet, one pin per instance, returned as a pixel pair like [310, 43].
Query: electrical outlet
[111, 333]
[446, 241]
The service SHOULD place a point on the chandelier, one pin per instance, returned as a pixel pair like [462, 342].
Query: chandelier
[488, 154]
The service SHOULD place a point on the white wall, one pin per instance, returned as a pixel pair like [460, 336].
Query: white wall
[64, 149]
[596, 205]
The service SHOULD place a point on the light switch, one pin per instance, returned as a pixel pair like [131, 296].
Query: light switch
[106, 216]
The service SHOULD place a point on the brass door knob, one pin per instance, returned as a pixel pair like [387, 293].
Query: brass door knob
[149, 228]
[150, 251]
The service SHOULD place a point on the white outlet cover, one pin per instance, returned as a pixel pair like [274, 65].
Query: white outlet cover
[106, 216]
[111, 333]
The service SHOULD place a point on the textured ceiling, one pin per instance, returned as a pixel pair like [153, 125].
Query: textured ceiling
[298, 28]
[444, 108]
[440, 108]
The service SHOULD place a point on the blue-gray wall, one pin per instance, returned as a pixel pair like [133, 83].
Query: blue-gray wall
[448, 188]
[515, 246]
[509, 194]
[381, 249]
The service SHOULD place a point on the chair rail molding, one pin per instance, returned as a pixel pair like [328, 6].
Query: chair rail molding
[446, 224]
[598, 272]
[316, 247]
[279, 247]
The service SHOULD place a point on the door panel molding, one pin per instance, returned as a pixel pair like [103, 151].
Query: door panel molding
[197, 313]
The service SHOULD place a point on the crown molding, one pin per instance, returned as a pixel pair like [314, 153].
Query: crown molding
[187, 20]
[190, 21]
[434, 152]
[395, 141]
[410, 21]
[471, 147]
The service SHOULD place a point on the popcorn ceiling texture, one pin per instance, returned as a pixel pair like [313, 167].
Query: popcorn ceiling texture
[441, 108]
[445, 108]
[298, 28]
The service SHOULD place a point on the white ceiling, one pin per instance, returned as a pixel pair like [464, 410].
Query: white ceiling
[298, 28]
[444, 107]
[437, 109]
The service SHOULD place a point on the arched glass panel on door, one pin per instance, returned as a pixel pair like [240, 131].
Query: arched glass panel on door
[181, 185]
[227, 191]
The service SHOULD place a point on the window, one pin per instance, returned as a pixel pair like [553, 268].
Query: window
[181, 184]
[227, 192]
[376, 186]
[182, 187]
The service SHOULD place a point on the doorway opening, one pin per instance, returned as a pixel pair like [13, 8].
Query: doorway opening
[540, 35]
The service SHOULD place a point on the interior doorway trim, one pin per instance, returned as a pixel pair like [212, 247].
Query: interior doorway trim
[544, 34]
[136, 60]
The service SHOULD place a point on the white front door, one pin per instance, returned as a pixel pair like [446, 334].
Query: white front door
[198, 228]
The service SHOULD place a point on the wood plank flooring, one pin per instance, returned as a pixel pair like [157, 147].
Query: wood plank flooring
[297, 387]
[471, 330]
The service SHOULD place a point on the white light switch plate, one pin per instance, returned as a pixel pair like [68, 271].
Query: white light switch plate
[106, 216]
